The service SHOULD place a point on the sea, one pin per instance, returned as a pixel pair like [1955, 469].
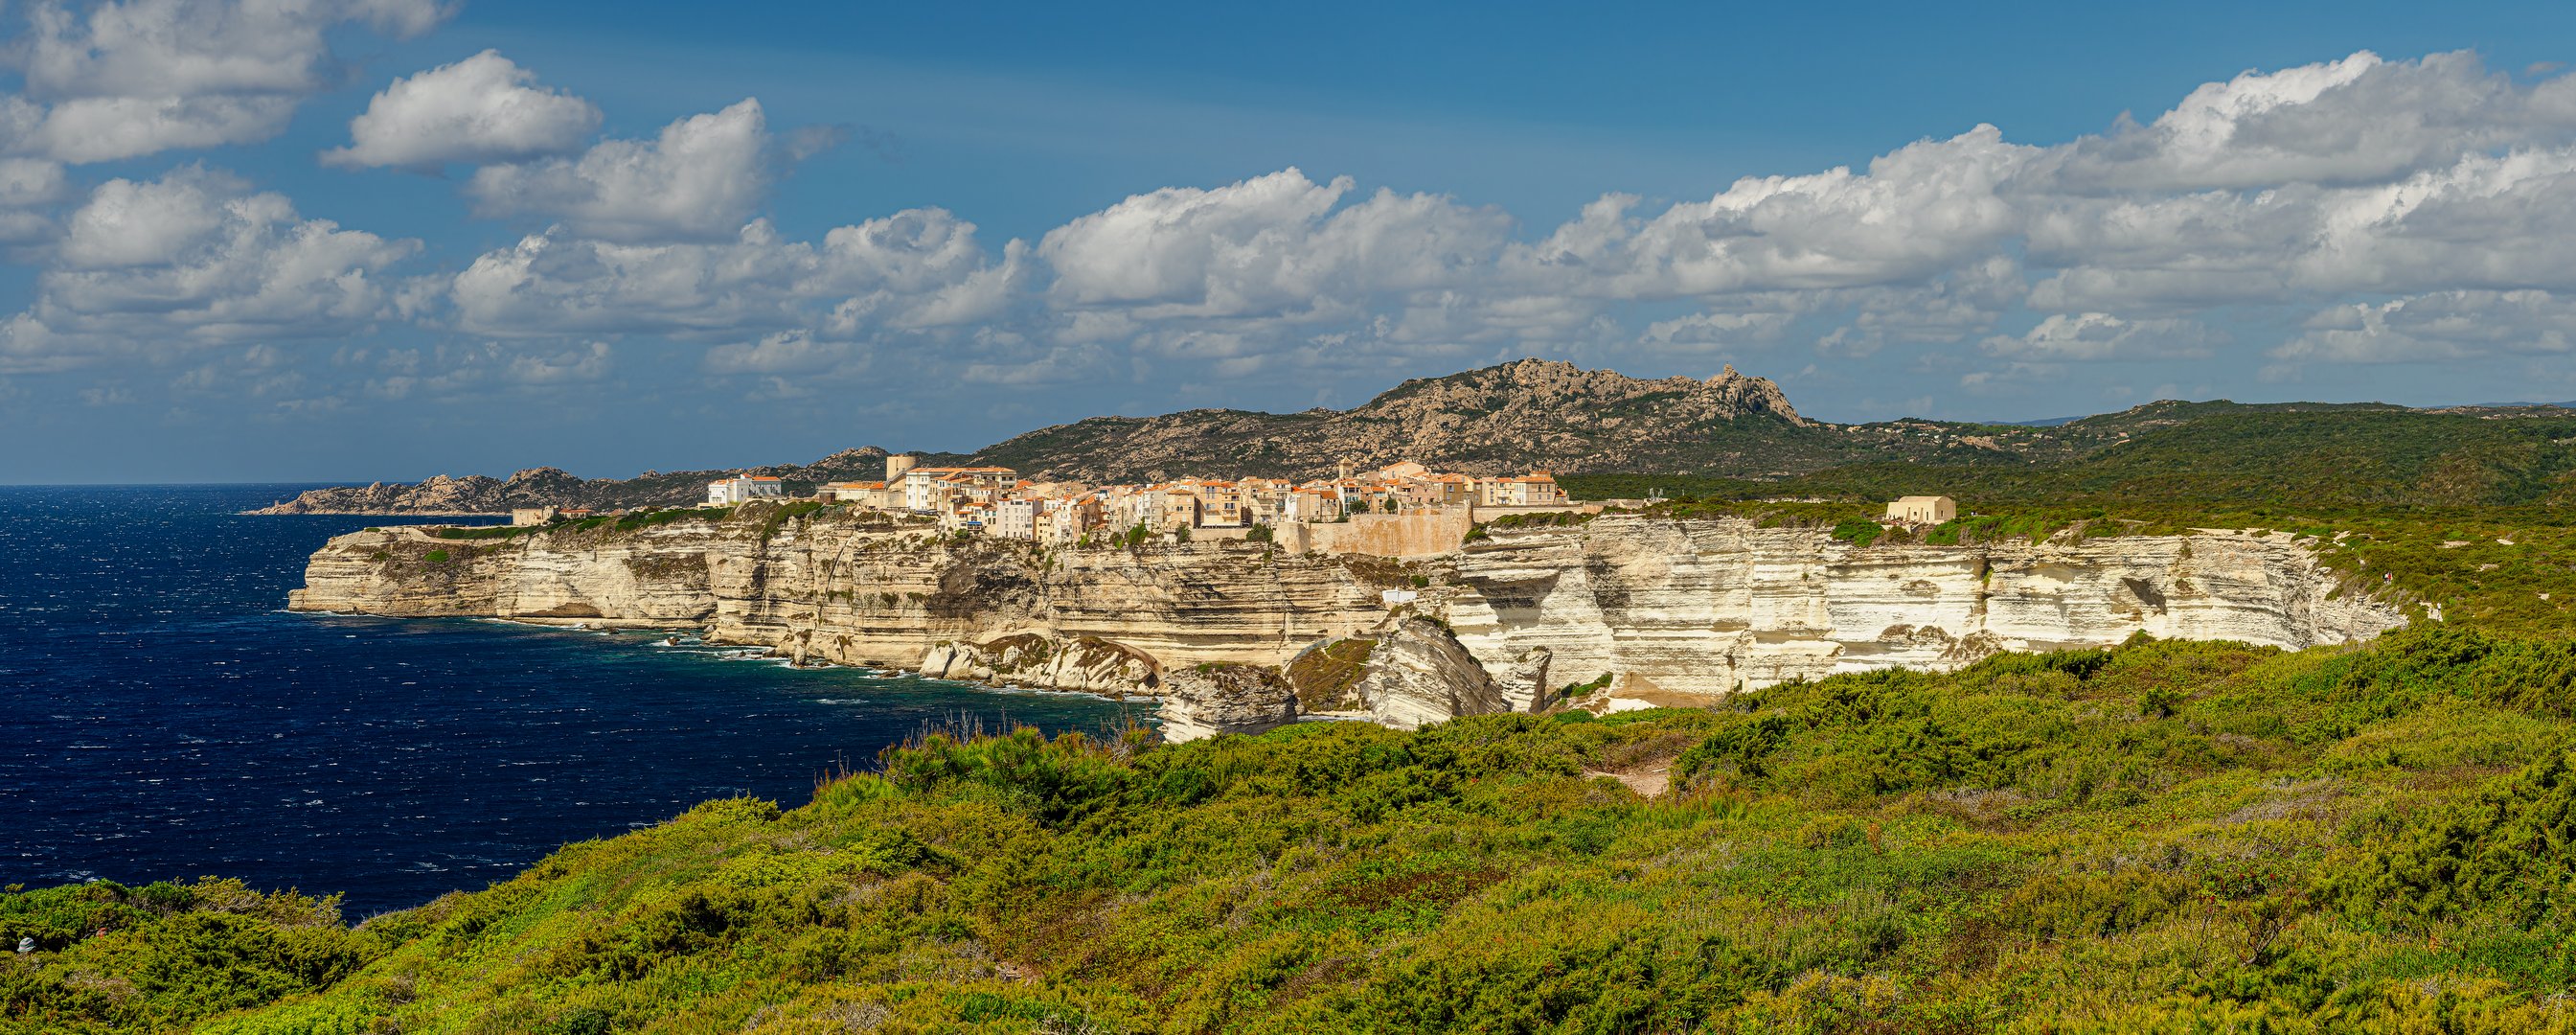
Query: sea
[162, 716]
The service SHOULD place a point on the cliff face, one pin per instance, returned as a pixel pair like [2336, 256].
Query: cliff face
[826, 587]
[1701, 607]
[1674, 610]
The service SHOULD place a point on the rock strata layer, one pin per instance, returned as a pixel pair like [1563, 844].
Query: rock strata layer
[1205, 700]
[1418, 674]
[1673, 611]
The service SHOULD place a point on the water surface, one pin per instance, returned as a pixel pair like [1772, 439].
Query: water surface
[161, 716]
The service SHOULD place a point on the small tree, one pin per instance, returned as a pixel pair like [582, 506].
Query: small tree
[1390, 505]
[1258, 533]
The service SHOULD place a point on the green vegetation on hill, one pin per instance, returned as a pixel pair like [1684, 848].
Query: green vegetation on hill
[2162, 836]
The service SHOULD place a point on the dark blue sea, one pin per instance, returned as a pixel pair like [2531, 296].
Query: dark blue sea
[162, 716]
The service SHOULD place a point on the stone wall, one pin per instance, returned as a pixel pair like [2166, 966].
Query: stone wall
[1409, 535]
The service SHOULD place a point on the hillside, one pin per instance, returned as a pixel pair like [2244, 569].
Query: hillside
[2202, 455]
[2158, 837]
[1509, 418]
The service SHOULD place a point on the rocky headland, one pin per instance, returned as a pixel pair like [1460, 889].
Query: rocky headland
[443, 495]
[1620, 611]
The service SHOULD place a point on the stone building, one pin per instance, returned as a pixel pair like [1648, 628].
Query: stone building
[1922, 510]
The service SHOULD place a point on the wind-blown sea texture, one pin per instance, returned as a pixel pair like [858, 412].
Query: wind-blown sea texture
[162, 717]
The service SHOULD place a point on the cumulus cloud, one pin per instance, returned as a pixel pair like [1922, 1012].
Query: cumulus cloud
[1916, 212]
[2357, 120]
[2443, 326]
[2084, 337]
[27, 187]
[1719, 329]
[120, 80]
[587, 362]
[698, 180]
[914, 270]
[194, 258]
[482, 109]
[1272, 245]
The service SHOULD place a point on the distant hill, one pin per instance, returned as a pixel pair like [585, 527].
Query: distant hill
[1674, 433]
[1503, 419]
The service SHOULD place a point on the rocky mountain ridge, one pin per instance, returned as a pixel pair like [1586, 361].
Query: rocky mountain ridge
[1504, 419]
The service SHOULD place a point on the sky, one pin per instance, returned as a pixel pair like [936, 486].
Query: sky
[358, 240]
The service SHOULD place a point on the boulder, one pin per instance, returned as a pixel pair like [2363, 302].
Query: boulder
[1205, 700]
[1418, 675]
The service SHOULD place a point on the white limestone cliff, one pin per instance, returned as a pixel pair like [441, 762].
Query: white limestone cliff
[1711, 606]
[1418, 674]
[1205, 700]
[1675, 611]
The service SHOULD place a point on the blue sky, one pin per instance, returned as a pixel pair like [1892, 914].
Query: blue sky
[360, 239]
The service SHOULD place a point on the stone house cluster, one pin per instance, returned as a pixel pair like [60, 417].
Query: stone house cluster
[997, 501]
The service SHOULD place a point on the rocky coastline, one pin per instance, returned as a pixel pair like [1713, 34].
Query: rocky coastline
[1624, 610]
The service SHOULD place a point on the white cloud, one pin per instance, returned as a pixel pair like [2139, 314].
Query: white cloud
[1918, 211]
[195, 258]
[2439, 327]
[582, 363]
[482, 109]
[914, 270]
[698, 180]
[27, 187]
[2353, 121]
[1719, 329]
[1271, 245]
[2085, 337]
[784, 352]
[120, 80]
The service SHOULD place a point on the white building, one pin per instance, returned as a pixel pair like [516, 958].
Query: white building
[927, 489]
[725, 492]
[1922, 510]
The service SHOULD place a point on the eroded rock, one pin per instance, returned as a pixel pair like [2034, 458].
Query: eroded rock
[1205, 700]
[1418, 674]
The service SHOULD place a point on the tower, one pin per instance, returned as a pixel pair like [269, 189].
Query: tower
[897, 465]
